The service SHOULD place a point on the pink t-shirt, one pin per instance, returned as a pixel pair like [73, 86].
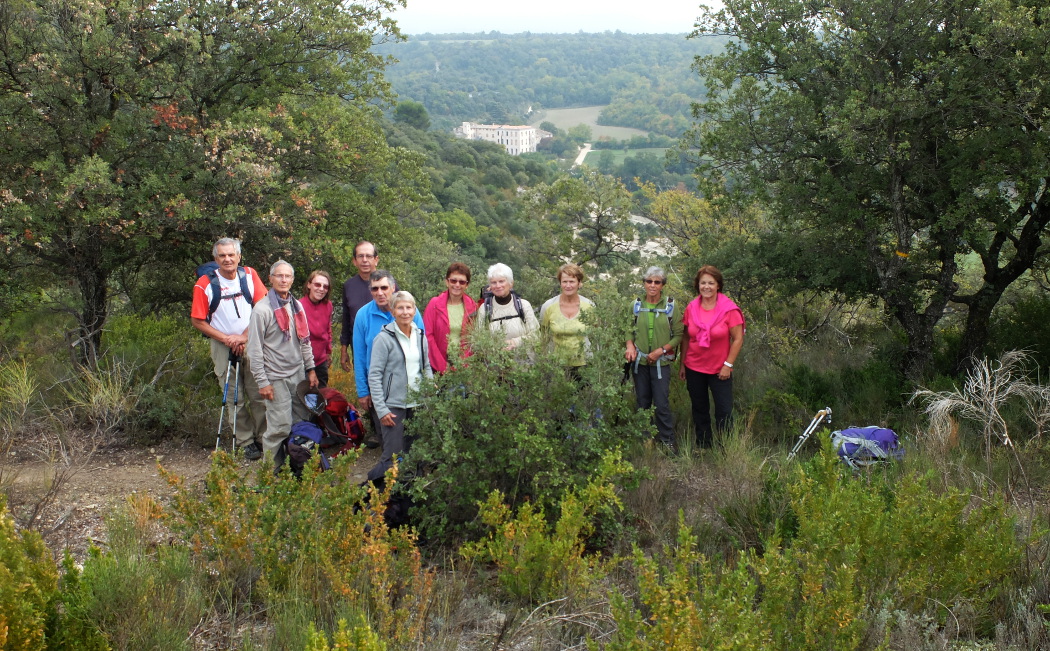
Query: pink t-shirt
[719, 321]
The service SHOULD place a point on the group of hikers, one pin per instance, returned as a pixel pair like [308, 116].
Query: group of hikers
[270, 342]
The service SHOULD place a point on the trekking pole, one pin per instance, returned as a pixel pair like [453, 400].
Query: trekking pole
[236, 361]
[225, 390]
[824, 415]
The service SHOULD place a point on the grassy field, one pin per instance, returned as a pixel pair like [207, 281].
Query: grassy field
[570, 117]
[619, 154]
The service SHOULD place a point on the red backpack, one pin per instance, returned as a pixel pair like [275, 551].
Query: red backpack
[335, 415]
[340, 419]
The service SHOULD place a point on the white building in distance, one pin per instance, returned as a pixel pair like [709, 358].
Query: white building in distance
[517, 139]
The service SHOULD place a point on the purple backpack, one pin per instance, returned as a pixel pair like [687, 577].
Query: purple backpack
[863, 446]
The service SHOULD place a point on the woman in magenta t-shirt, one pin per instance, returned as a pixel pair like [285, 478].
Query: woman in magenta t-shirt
[714, 333]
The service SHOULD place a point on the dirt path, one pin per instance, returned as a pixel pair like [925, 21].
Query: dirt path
[75, 519]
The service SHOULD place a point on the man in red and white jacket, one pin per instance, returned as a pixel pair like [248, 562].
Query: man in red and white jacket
[226, 326]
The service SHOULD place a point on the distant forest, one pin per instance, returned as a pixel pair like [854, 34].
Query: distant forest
[644, 80]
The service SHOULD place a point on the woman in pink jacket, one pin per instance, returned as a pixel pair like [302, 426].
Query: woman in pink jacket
[712, 338]
[446, 316]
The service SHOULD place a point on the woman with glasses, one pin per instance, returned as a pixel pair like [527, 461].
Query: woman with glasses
[651, 351]
[318, 310]
[714, 334]
[446, 316]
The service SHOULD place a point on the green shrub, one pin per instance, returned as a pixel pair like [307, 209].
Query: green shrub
[911, 544]
[28, 586]
[320, 540]
[535, 562]
[137, 595]
[358, 638]
[862, 544]
[524, 428]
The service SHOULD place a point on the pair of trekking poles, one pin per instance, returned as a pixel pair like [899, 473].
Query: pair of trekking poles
[232, 365]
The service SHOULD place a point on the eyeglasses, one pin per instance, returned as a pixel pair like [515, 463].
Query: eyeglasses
[380, 289]
[282, 276]
[457, 281]
[650, 281]
[365, 256]
[320, 285]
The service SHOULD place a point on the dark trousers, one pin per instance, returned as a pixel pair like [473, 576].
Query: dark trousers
[699, 384]
[322, 373]
[651, 390]
[394, 442]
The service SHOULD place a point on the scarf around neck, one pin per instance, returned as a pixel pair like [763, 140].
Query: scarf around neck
[723, 306]
[302, 328]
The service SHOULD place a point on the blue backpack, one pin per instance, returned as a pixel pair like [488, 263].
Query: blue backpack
[211, 270]
[299, 447]
[864, 446]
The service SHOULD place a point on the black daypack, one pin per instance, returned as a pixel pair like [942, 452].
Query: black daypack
[211, 270]
[517, 307]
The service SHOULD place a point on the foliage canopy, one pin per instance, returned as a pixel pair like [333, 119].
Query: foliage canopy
[890, 139]
[132, 132]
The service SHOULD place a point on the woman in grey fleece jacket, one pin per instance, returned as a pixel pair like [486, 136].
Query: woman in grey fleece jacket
[399, 364]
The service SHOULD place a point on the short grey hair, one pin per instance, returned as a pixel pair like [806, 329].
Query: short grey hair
[655, 271]
[380, 274]
[500, 270]
[403, 297]
[273, 267]
[226, 241]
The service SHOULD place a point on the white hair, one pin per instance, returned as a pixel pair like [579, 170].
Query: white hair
[500, 270]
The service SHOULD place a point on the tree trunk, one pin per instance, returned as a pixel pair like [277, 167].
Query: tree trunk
[94, 291]
[1032, 218]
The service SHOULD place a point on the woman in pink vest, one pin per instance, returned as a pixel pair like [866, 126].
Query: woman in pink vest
[446, 317]
[714, 333]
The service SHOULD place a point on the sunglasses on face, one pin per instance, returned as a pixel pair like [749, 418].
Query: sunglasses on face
[650, 281]
[320, 285]
[457, 281]
[380, 289]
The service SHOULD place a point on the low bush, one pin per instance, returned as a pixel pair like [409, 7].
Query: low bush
[518, 423]
[861, 543]
[536, 562]
[321, 541]
[28, 586]
[136, 594]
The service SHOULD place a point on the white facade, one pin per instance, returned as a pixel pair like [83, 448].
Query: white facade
[517, 139]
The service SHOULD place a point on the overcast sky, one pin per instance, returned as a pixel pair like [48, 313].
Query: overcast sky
[554, 16]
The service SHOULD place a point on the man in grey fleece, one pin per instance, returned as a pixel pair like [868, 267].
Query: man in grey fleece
[279, 355]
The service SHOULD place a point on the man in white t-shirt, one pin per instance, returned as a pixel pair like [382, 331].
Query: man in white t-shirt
[225, 322]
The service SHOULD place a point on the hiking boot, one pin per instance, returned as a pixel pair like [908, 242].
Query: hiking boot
[252, 451]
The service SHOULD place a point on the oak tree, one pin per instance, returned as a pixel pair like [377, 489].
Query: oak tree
[132, 134]
[889, 139]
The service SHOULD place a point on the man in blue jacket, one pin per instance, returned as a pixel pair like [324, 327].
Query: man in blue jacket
[369, 321]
